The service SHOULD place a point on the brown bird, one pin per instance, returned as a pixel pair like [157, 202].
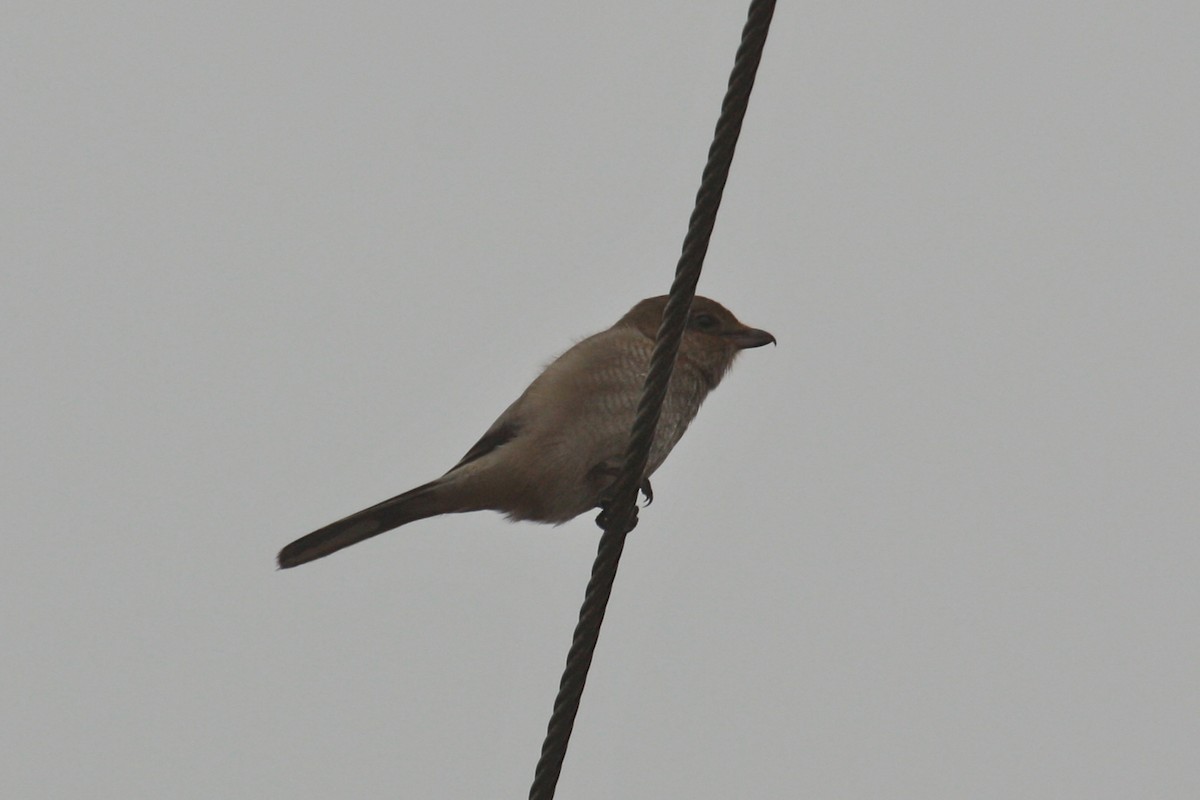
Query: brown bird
[554, 453]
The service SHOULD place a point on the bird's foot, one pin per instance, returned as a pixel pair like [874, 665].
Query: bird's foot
[607, 514]
[647, 491]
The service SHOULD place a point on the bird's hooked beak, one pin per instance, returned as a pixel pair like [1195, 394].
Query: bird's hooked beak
[750, 337]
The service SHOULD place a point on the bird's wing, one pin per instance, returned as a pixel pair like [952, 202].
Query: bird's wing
[501, 433]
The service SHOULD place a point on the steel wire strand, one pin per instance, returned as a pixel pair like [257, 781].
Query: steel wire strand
[620, 515]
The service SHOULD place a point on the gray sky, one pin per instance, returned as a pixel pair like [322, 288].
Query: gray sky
[265, 264]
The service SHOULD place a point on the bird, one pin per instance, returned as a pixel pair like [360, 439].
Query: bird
[556, 451]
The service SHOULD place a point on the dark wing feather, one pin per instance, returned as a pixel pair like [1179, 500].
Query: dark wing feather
[499, 434]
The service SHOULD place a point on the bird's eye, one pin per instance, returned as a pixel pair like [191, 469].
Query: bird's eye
[706, 322]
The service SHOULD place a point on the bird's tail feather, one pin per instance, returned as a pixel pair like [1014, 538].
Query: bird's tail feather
[402, 509]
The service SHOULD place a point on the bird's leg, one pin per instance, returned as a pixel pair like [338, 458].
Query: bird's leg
[609, 471]
[605, 515]
[603, 477]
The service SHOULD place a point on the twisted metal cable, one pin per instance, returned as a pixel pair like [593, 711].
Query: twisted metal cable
[620, 517]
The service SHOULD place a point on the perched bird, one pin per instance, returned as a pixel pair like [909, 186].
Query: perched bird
[555, 452]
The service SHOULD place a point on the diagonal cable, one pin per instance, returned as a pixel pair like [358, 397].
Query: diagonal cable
[620, 517]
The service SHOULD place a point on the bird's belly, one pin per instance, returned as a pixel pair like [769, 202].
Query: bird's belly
[570, 460]
[564, 482]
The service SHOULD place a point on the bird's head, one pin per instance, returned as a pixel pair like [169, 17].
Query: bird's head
[712, 337]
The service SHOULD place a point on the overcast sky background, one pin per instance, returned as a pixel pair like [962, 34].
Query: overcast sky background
[267, 263]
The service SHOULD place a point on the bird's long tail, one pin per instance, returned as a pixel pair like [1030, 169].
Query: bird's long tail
[419, 503]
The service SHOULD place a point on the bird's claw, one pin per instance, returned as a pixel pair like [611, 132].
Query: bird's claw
[647, 491]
